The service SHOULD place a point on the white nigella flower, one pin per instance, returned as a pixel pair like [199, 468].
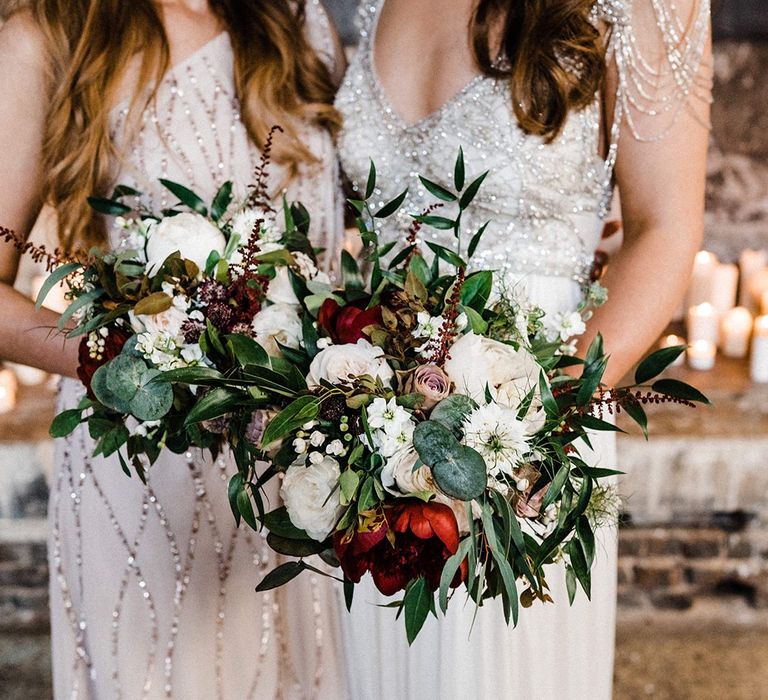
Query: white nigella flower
[387, 415]
[300, 446]
[316, 438]
[497, 434]
[564, 325]
[335, 447]
[393, 441]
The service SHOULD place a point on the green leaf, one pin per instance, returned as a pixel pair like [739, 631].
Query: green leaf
[189, 375]
[570, 583]
[65, 423]
[391, 207]
[81, 302]
[555, 487]
[593, 423]
[452, 411]
[221, 201]
[590, 380]
[348, 483]
[476, 239]
[476, 322]
[104, 394]
[459, 171]
[124, 191]
[234, 488]
[445, 254]
[186, 196]
[655, 364]
[679, 390]
[294, 548]
[153, 304]
[245, 507]
[109, 207]
[477, 290]
[370, 186]
[458, 470]
[416, 604]
[152, 400]
[441, 223]
[279, 522]
[547, 399]
[580, 566]
[349, 593]
[637, 413]
[216, 403]
[280, 576]
[587, 538]
[471, 192]
[350, 272]
[247, 351]
[450, 569]
[57, 276]
[292, 417]
[438, 190]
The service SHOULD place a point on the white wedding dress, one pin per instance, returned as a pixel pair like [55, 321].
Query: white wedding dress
[152, 587]
[546, 204]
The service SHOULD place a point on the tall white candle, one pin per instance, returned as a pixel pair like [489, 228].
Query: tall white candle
[703, 323]
[759, 361]
[758, 286]
[751, 263]
[735, 330]
[701, 288]
[8, 388]
[701, 355]
[725, 281]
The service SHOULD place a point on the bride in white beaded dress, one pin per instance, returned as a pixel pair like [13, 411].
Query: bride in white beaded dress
[152, 587]
[560, 100]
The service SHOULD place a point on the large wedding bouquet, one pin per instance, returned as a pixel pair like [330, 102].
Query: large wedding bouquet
[420, 415]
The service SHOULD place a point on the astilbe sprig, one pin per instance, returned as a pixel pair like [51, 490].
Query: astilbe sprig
[448, 329]
[411, 240]
[259, 196]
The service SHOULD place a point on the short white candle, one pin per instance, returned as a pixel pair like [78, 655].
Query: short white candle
[751, 263]
[673, 341]
[701, 288]
[759, 362]
[735, 330]
[725, 281]
[701, 355]
[703, 323]
[758, 286]
[8, 387]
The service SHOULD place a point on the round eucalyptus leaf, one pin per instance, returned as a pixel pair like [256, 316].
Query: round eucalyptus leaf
[124, 376]
[461, 474]
[433, 442]
[152, 399]
[104, 394]
[452, 411]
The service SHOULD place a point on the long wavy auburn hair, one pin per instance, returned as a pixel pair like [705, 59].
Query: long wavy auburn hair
[555, 59]
[278, 79]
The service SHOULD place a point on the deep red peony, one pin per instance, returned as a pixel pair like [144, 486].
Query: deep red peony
[88, 364]
[346, 324]
[425, 536]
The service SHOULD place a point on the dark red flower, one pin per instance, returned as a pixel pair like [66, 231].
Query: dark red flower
[414, 540]
[90, 359]
[347, 324]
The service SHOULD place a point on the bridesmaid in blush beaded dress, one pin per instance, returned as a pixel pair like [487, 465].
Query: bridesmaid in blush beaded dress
[152, 586]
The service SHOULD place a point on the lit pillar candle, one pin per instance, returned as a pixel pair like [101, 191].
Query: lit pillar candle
[701, 287]
[751, 263]
[759, 362]
[703, 323]
[701, 355]
[725, 281]
[8, 388]
[758, 286]
[673, 341]
[735, 330]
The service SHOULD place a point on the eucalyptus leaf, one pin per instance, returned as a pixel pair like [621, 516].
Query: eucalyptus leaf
[416, 605]
[57, 276]
[280, 576]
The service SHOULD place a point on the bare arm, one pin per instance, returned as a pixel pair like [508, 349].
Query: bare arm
[28, 336]
[662, 196]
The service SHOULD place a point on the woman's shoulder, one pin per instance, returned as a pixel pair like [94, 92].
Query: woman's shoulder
[22, 37]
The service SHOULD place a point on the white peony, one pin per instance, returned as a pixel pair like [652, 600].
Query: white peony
[192, 235]
[306, 492]
[275, 324]
[340, 362]
[477, 362]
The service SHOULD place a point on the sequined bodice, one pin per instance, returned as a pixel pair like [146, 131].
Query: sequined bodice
[545, 201]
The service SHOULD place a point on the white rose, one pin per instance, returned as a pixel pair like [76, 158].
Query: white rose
[399, 472]
[169, 321]
[340, 362]
[476, 362]
[280, 289]
[305, 492]
[275, 324]
[192, 235]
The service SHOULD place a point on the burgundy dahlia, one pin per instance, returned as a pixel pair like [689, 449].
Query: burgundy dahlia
[347, 324]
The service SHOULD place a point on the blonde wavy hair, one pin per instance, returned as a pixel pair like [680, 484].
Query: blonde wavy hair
[278, 79]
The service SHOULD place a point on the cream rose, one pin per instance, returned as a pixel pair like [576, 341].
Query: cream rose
[169, 321]
[340, 362]
[275, 324]
[477, 362]
[192, 235]
[306, 492]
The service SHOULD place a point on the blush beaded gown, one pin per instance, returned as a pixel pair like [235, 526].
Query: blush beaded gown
[547, 204]
[152, 587]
